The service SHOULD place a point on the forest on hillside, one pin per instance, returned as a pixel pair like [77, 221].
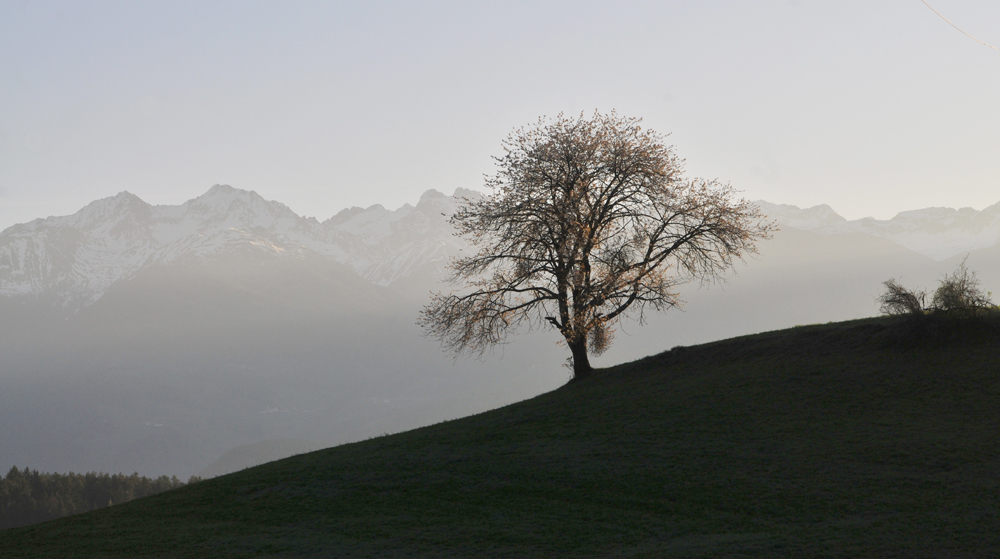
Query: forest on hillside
[28, 496]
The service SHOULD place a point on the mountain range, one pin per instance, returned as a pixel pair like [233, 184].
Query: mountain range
[157, 338]
[939, 233]
[75, 259]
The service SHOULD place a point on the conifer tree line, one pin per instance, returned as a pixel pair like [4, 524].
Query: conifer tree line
[28, 496]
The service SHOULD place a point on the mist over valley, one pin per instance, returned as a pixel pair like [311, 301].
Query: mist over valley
[157, 338]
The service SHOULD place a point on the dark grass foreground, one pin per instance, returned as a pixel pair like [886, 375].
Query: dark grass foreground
[840, 440]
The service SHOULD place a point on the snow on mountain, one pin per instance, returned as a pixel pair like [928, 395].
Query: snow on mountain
[939, 233]
[77, 258]
[809, 219]
[388, 245]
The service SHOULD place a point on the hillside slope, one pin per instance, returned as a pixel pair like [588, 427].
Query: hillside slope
[819, 441]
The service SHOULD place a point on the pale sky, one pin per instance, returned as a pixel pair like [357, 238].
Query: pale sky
[873, 107]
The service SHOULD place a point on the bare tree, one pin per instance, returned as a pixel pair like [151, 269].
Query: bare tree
[960, 293]
[588, 219]
[899, 300]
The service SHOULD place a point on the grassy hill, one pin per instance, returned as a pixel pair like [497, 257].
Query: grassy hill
[833, 440]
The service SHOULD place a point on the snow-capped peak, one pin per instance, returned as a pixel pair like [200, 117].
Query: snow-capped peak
[77, 257]
[815, 217]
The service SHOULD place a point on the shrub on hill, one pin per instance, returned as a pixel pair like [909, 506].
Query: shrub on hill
[960, 293]
[959, 309]
[898, 300]
[28, 496]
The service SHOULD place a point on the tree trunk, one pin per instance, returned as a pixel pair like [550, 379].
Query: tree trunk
[581, 362]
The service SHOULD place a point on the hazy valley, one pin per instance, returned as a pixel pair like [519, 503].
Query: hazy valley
[157, 338]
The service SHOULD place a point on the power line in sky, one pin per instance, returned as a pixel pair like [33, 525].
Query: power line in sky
[956, 27]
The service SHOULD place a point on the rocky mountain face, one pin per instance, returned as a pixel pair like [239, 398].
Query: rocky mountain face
[76, 259]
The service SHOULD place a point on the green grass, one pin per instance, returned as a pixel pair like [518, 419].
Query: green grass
[834, 440]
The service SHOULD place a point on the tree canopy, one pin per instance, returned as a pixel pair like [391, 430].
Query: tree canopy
[590, 220]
